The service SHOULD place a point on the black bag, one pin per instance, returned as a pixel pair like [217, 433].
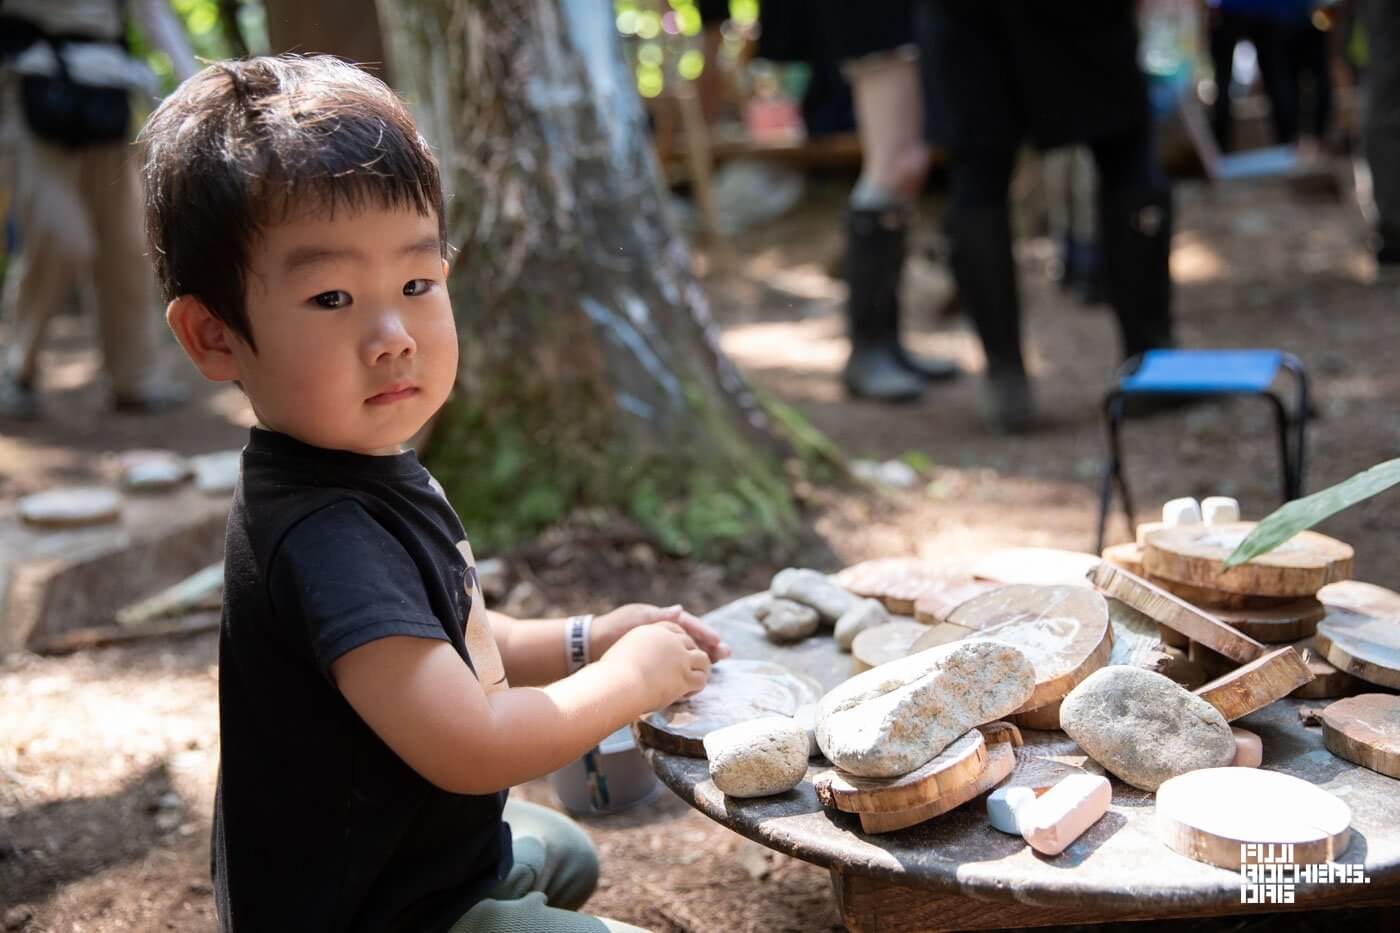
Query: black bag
[61, 110]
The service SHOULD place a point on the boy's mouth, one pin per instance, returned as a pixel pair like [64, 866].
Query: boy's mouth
[396, 392]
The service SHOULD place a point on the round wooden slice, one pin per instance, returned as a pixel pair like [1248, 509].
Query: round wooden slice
[1328, 683]
[1039, 773]
[152, 470]
[1207, 598]
[897, 582]
[950, 770]
[1208, 814]
[738, 690]
[936, 602]
[1195, 554]
[1365, 729]
[1287, 622]
[1064, 631]
[887, 642]
[1366, 598]
[1042, 566]
[939, 634]
[1257, 684]
[1001, 762]
[71, 508]
[1128, 556]
[217, 473]
[1363, 645]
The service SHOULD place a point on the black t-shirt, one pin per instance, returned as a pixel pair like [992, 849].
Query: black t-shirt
[318, 825]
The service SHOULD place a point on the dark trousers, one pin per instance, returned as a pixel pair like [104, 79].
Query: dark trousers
[1381, 118]
[1134, 202]
[1267, 36]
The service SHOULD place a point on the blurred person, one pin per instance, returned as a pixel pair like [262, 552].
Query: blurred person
[1000, 72]
[874, 44]
[66, 77]
[1380, 127]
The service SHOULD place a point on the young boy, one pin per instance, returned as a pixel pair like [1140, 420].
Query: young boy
[370, 722]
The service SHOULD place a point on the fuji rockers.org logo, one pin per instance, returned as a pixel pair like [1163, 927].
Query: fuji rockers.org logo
[1268, 874]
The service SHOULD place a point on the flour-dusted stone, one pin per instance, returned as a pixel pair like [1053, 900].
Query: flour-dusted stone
[806, 717]
[891, 719]
[811, 588]
[759, 757]
[785, 621]
[867, 613]
[1144, 727]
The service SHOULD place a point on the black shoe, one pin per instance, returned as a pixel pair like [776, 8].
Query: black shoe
[152, 400]
[18, 401]
[876, 373]
[1007, 406]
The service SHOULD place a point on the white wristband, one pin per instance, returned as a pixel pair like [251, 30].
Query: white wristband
[576, 641]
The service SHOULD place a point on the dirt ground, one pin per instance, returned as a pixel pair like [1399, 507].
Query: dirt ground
[107, 757]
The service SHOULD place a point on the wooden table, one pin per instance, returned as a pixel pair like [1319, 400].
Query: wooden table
[957, 873]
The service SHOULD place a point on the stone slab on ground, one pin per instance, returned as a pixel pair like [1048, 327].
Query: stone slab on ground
[56, 580]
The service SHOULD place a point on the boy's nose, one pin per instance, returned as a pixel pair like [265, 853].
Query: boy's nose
[389, 341]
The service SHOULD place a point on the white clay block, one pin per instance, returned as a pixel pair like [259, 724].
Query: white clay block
[1061, 815]
[1249, 751]
[1220, 510]
[1004, 806]
[1185, 511]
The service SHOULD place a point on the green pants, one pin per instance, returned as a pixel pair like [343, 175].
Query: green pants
[556, 869]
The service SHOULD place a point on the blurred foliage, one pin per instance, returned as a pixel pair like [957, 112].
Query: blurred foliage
[663, 43]
[214, 29]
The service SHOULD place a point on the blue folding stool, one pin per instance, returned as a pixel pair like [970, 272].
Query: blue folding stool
[1205, 373]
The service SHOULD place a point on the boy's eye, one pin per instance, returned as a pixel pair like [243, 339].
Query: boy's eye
[415, 287]
[332, 300]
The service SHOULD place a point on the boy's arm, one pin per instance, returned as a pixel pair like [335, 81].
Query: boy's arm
[422, 700]
[534, 652]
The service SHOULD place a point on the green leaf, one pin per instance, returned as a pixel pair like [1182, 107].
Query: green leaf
[1301, 514]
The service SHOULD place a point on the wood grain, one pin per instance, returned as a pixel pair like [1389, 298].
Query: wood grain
[738, 690]
[1001, 761]
[1212, 599]
[1195, 554]
[949, 771]
[1286, 622]
[1207, 814]
[1179, 616]
[1363, 645]
[897, 582]
[1257, 684]
[1328, 683]
[1365, 729]
[935, 603]
[887, 642]
[1064, 630]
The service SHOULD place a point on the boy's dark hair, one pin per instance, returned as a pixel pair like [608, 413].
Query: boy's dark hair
[245, 143]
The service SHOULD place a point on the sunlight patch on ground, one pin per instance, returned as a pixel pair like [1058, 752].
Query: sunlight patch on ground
[814, 344]
[1193, 261]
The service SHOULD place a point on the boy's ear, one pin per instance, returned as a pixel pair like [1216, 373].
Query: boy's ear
[207, 341]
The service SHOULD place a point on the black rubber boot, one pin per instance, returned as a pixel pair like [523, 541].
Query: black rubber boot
[878, 367]
[985, 270]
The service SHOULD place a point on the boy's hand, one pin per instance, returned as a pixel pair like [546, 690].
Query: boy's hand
[662, 662]
[608, 628]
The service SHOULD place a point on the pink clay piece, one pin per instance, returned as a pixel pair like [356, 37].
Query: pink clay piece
[1249, 751]
[1061, 815]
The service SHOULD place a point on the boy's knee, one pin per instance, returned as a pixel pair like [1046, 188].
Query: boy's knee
[576, 872]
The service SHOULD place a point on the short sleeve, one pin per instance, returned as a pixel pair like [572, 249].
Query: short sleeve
[349, 581]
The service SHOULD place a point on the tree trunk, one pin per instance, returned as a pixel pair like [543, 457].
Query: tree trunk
[348, 28]
[591, 375]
